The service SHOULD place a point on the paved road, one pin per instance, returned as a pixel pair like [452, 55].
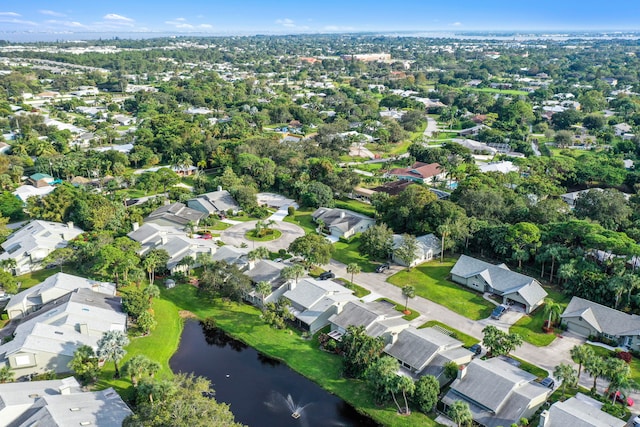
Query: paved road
[234, 235]
[432, 126]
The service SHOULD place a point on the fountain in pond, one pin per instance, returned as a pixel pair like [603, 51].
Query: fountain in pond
[279, 402]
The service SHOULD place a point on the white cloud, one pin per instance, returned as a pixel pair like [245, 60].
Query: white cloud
[17, 21]
[180, 24]
[205, 26]
[70, 24]
[9, 14]
[116, 17]
[286, 22]
[51, 13]
[180, 19]
[338, 28]
[456, 24]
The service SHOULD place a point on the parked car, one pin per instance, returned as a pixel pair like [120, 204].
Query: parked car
[476, 349]
[326, 275]
[548, 382]
[277, 260]
[131, 202]
[498, 311]
[636, 421]
[620, 397]
[382, 267]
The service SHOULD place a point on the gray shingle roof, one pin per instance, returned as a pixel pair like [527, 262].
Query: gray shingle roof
[418, 347]
[265, 270]
[576, 412]
[357, 313]
[500, 278]
[217, 201]
[177, 212]
[342, 219]
[603, 319]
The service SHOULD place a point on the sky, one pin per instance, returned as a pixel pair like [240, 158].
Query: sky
[325, 16]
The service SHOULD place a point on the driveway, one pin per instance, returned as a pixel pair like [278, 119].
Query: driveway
[432, 126]
[234, 235]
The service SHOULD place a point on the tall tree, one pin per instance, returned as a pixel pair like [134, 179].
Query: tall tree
[567, 374]
[292, 272]
[353, 269]
[359, 351]
[314, 248]
[408, 291]
[263, 289]
[553, 310]
[111, 347]
[139, 366]
[85, 364]
[596, 367]
[425, 395]
[460, 413]
[580, 354]
[377, 241]
[407, 250]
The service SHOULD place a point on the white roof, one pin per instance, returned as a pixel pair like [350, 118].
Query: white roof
[502, 167]
[25, 191]
[39, 234]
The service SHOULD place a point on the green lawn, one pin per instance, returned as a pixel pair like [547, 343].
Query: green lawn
[244, 323]
[467, 340]
[31, 279]
[302, 217]
[218, 226]
[530, 326]
[348, 253]
[532, 369]
[430, 282]
[269, 236]
[356, 206]
[400, 307]
[358, 291]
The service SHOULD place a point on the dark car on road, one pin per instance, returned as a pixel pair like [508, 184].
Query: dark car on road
[498, 312]
[476, 349]
[326, 275]
[548, 382]
[382, 267]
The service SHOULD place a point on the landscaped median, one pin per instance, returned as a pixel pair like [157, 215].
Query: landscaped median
[243, 322]
[430, 282]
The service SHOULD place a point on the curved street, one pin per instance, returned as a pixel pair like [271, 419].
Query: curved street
[235, 235]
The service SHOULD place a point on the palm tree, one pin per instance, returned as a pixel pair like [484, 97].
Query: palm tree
[567, 374]
[407, 386]
[596, 367]
[152, 291]
[460, 413]
[553, 310]
[353, 269]
[580, 354]
[409, 292]
[261, 252]
[292, 272]
[111, 347]
[263, 288]
[85, 363]
[139, 365]
[445, 230]
[6, 374]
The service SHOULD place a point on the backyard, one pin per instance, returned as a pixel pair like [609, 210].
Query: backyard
[430, 282]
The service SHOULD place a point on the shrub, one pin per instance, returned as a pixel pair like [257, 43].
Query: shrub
[291, 211]
[624, 355]
[209, 323]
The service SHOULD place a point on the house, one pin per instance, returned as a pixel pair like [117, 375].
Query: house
[622, 128]
[419, 172]
[46, 339]
[41, 180]
[59, 403]
[514, 288]
[267, 271]
[342, 222]
[427, 351]
[176, 215]
[30, 245]
[178, 245]
[589, 319]
[25, 191]
[379, 319]
[215, 202]
[578, 411]
[472, 131]
[313, 302]
[428, 247]
[476, 147]
[53, 287]
[501, 167]
[498, 393]
[233, 255]
[572, 198]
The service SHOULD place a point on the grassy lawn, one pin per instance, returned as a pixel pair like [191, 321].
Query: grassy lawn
[532, 369]
[358, 291]
[302, 217]
[270, 235]
[218, 226]
[244, 323]
[400, 307]
[430, 282]
[467, 340]
[31, 279]
[530, 326]
[356, 206]
[347, 253]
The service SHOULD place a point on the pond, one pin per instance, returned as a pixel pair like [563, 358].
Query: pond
[261, 391]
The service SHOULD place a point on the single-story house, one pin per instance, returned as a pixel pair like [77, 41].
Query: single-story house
[25, 191]
[379, 319]
[41, 180]
[46, 339]
[31, 244]
[476, 147]
[342, 222]
[429, 247]
[472, 131]
[514, 288]
[175, 215]
[427, 351]
[419, 172]
[572, 198]
[578, 411]
[622, 128]
[587, 318]
[313, 302]
[498, 393]
[233, 255]
[215, 202]
[59, 403]
[53, 287]
[502, 167]
[267, 271]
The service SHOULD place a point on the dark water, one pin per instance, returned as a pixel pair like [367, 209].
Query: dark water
[257, 387]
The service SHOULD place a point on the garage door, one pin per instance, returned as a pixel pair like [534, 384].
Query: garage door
[578, 329]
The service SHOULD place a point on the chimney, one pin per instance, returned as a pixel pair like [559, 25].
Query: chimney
[164, 239]
[70, 225]
[342, 214]
[64, 389]
[219, 187]
[544, 418]
[462, 371]
[135, 226]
